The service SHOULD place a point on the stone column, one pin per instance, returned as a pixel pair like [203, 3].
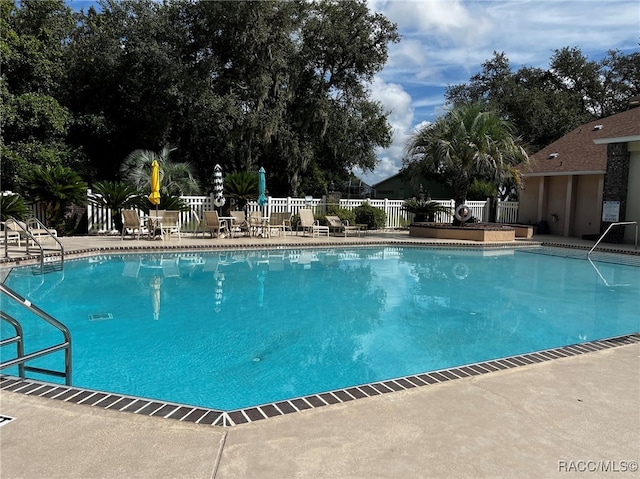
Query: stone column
[616, 182]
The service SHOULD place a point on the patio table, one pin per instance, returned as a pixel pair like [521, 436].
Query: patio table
[154, 223]
[260, 227]
[230, 221]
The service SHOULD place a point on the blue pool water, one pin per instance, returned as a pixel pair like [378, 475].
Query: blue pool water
[227, 330]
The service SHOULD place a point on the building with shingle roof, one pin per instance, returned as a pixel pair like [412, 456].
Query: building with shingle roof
[589, 178]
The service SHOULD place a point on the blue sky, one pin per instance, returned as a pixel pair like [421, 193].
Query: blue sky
[444, 42]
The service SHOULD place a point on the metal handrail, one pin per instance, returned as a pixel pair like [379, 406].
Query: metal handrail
[22, 358]
[31, 237]
[611, 226]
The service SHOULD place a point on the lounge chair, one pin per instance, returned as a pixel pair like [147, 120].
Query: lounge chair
[7, 235]
[214, 224]
[131, 224]
[310, 224]
[30, 230]
[240, 222]
[337, 225]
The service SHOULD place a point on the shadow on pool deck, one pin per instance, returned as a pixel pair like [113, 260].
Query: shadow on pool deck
[542, 420]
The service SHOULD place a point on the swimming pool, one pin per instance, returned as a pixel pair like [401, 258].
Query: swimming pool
[234, 329]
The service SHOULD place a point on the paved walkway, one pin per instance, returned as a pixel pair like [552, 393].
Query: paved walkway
[552, 419]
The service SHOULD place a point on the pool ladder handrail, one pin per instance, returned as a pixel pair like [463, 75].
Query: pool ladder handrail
[609, 228]
[34, 239]
[18, 339]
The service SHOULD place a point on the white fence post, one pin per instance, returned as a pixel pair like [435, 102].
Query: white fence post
[99, 217]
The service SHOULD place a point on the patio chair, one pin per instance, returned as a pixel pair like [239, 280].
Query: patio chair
[199, 224]
[131, 224]
[29, 230]
[257, 224]
[214, 224]
[310, 224]
[280, 222]
[337, 225]
[170, 224]
[307, 221]
[240, 222]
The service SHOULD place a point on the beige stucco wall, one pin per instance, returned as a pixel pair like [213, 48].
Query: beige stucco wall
[528, 201]
[556, 202]
[587, 207]
[574, 199]
[633, 191]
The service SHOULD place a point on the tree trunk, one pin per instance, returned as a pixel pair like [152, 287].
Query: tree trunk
[460, 188]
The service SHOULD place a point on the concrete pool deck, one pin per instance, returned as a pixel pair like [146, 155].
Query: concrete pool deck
[543, 420]
[535, 421]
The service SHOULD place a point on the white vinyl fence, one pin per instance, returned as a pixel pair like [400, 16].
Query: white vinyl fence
[507, 212]
[100, 221]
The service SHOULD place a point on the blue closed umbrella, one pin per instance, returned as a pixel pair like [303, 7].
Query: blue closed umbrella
[262, 187]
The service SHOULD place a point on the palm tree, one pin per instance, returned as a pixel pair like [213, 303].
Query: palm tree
[424, 210]
[116, 196]
[12, 206]
[467, 143]
[175, 178]
[241, 187]
[56, 187]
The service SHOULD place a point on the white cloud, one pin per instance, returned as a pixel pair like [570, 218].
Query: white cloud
[397, 103]
[444, 42]
[395, 100]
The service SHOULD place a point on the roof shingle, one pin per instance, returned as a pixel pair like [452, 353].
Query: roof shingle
[576, 151]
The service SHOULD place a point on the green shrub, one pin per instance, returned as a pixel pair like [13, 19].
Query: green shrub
[374, 218]
[480, 190]
[13, 206]
[295, 220]
[241, 187]
[57, 188]
[167, 202]
[116, 196]
[424, 211]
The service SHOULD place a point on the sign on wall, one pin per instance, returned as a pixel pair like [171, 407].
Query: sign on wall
[611, 211]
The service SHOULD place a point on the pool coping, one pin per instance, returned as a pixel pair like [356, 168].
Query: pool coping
[26, 260]
[215, 417]
[101, 250]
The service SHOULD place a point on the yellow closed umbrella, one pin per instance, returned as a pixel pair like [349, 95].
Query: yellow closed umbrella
[154, 197]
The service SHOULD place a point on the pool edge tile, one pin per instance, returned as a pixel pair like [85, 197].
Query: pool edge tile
[214, 417]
